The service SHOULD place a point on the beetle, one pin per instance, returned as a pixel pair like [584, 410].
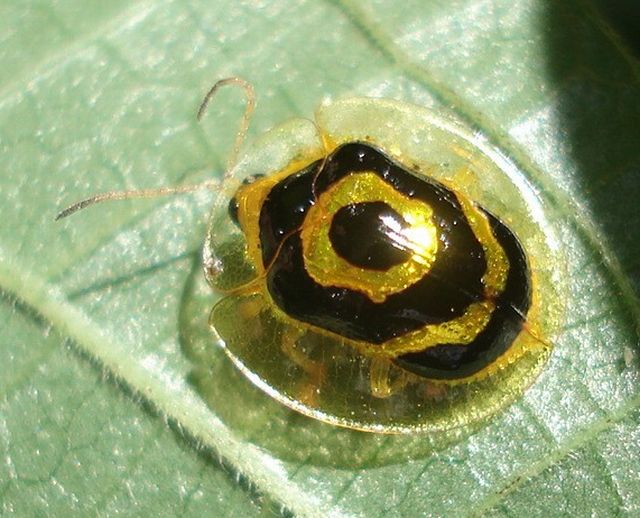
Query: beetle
[362, 283]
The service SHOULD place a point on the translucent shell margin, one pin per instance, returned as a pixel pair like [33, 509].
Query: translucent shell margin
[328, 380]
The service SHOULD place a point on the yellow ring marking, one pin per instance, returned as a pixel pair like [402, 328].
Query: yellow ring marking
[420, 239]
[461, 330]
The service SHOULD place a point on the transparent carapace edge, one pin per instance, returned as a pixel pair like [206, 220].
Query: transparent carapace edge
[322, 377]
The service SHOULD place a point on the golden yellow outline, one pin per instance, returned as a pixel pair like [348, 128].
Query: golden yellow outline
[462, 330]
[327, 268]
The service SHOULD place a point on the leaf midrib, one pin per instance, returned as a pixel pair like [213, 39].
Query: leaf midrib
[182, 407]
[49, 303]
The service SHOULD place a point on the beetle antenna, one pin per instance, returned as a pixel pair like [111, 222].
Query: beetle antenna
[246, 118]
[165, 191]
[126, 195]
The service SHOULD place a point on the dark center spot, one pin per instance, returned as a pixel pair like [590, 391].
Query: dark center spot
[367, 235]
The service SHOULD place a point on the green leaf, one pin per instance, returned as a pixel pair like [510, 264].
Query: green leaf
[113, 396]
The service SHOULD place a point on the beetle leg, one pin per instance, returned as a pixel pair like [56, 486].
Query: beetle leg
[434, 391]
[315, 371]
[249, 310]
[383, 383]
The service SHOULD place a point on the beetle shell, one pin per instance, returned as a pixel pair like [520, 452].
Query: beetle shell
[371, 281]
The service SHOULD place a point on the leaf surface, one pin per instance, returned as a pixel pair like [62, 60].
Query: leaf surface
[112, 396]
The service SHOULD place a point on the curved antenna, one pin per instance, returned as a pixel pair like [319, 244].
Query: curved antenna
[165, 191]
[246, 118]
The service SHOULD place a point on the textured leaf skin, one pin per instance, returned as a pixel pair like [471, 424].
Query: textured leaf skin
[111, 396]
